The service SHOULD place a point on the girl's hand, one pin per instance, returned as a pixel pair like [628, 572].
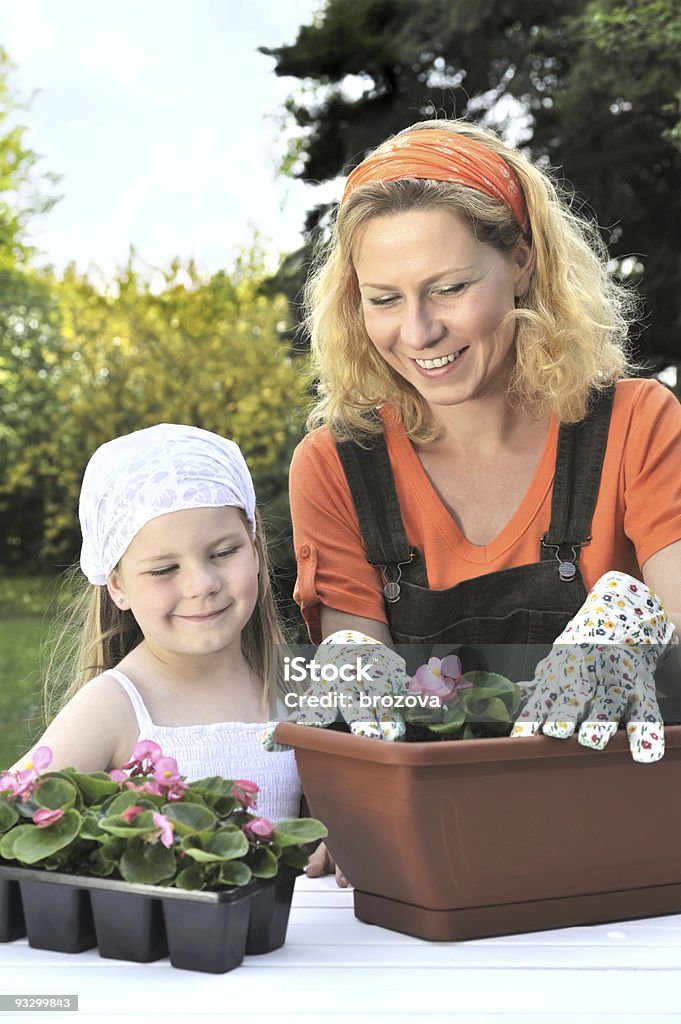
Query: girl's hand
[321, 863]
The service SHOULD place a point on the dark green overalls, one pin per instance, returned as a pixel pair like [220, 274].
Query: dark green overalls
[525, 607]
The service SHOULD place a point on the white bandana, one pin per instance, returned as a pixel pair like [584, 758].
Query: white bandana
[151, 472]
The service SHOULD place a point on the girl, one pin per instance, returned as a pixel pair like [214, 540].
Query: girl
[178, 640]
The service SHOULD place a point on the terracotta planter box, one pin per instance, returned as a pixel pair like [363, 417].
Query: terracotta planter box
[463, 839]
[200, 931]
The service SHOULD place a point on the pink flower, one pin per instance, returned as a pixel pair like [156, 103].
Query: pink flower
[9, 782]
[173, 792]
[130, 813]
[166, 829]
[258, 828]
[118, 775]
[44, 817]
[165, 771]
[145, 754]
[42, 758]
[25, 782]
[147, 749]
[439, 678]
[245, 792]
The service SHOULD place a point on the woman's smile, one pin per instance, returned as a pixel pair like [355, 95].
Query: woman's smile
[441, 363]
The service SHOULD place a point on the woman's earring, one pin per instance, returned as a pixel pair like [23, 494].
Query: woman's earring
[121, 600]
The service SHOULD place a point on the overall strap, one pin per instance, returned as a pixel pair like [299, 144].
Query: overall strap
[372, 486]
[579, 462]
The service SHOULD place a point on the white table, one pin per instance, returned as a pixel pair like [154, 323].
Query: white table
[333, 968]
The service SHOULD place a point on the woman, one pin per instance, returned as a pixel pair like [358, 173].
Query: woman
[479, 460]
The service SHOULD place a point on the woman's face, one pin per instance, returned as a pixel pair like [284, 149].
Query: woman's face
[433, 298]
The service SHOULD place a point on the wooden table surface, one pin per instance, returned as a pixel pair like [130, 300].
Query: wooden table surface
[334, 968]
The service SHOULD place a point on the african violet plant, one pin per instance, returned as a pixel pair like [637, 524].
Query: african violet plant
[145, 824]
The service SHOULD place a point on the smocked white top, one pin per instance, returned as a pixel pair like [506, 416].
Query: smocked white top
[233, 750]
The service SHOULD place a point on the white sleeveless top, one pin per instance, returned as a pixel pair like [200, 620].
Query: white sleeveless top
[233, 750]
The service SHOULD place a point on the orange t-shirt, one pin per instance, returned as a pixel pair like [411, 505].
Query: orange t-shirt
[638, 511]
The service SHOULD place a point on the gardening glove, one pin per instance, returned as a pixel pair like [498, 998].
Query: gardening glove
[601, 670]
[360, 689]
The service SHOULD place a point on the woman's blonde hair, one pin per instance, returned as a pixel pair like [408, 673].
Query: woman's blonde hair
[571, 325]
[95, 635]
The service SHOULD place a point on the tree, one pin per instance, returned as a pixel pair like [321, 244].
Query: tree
[598, 82]
[26, 311]
[108, 360]
[22, 191]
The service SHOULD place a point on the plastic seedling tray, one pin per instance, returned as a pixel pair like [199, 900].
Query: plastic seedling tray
[200, 931]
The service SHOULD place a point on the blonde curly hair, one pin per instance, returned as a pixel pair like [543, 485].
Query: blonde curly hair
[572, 324]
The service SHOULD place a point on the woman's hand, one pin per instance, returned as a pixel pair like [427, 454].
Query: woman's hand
[322, 863]
[601, 670]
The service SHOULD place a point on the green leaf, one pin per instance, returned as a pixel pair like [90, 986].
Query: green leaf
[422, 716]
[10, 838]
[125, 800]
[9, 815]
[227, 843]
[55, 793]
[293, 831]
[488, 681]
[451, 722]
[113, 849]
[94, 786]
[99, 865]
[190, 818]
[35, 844]
[235, 873]
[294, 856]
[191, 877]
[90, 828]
[139, 826]
[149, 866]
[215, 785]
[497, 711]
[263, 863]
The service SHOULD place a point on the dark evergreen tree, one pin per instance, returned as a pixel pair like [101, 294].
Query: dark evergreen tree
[598, 82]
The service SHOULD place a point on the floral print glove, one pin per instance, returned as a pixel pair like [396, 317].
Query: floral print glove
[359, 685]
[601, 671]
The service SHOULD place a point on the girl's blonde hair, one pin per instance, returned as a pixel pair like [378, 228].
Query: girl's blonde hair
[571, 325]
[96, 635]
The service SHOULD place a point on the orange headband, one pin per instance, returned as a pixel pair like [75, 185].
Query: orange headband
[442, 156]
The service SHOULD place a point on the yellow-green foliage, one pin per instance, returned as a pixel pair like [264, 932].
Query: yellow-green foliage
[93, 360]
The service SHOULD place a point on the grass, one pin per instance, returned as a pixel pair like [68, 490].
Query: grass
[26, 609]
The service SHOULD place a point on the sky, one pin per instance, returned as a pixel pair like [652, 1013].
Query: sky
[162, 120]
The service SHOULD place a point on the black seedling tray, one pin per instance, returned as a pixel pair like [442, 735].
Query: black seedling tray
[200, 931]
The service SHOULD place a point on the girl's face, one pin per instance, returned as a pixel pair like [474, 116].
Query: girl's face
[191, 581]
[433, 298]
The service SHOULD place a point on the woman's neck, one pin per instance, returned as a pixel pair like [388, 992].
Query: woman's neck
[487, 424]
